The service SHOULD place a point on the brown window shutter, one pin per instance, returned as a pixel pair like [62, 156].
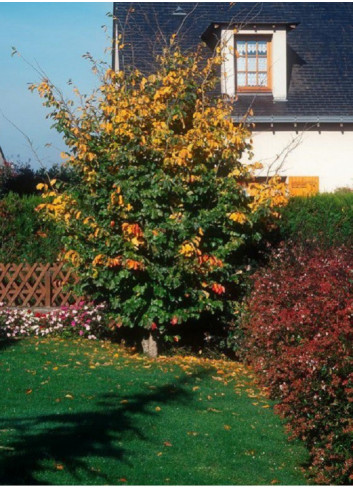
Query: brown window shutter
[303, 186]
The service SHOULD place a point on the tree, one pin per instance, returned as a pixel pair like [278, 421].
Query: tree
[158, 222]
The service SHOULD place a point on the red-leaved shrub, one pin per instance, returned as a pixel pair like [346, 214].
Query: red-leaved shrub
[299, 335]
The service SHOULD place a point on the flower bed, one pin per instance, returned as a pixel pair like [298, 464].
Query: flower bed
[83, 319]
[300, 340]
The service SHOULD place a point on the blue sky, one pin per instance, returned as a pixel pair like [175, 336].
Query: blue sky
[54, 35]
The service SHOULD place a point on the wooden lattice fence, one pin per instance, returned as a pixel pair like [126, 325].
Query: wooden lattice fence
[38, 285]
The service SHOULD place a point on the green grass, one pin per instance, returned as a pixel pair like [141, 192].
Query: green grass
[79, 412]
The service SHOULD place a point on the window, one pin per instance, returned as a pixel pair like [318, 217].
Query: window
[253, 64]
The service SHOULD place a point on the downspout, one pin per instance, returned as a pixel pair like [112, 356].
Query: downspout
[115, 50]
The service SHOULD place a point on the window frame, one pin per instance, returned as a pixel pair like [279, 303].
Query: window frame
[258, 88]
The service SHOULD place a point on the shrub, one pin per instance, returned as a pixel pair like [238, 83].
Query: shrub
[158, 223]
[85, 320]
[24, 235]
[326, 219]
[299, 334]
[22, 179]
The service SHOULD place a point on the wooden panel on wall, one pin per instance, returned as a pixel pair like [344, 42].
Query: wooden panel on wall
[303, 186]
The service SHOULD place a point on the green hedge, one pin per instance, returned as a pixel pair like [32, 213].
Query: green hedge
[326, 219]
[23, 234]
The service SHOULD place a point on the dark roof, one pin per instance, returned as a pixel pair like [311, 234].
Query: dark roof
[319, 49]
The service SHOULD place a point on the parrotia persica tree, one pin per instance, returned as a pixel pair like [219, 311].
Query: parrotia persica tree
[164, 204]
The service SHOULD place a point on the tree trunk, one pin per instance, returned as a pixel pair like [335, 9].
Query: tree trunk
[149, 347]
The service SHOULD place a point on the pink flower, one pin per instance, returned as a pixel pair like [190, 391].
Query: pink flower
[81, 333]
[73, 323]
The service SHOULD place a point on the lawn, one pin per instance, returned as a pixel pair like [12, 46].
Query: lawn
[81, 412]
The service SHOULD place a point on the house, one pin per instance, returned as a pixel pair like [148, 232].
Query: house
[291, 63]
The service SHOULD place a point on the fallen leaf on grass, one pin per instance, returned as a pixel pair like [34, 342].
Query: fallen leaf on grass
[158, 408]
[69, 396]
[124, 401]
[213, 410]
[227, 427]
[275, 481]
[159, 454]
[122, 480]
[167, 444]
[266, 406]
[192, 433]
[196, 388]
[59, 467]
[29, 391]
[55, 368]
[250, 452]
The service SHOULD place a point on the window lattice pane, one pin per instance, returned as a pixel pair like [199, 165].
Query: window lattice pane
[241, 64]
[252, 64]
[241, 79]
[262, 47]
[252, 79]
[262, 64]
[263, 79]
[241, 47]
[252, 47]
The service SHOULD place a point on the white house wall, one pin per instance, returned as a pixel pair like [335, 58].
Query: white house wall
[327, 154]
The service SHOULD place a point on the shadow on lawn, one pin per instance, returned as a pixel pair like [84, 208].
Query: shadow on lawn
[7, 342]
[66, 439]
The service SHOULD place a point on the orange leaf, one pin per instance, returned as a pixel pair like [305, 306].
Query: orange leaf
[59, 467]
[158, 408]
[167, 444]
[29, 391]
[227, 427]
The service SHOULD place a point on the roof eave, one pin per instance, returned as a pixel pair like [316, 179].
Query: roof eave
[320, 119]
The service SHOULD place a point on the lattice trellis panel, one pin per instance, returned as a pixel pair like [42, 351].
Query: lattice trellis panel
[38, 285]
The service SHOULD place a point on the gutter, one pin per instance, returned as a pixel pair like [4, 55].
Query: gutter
[322, 119]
